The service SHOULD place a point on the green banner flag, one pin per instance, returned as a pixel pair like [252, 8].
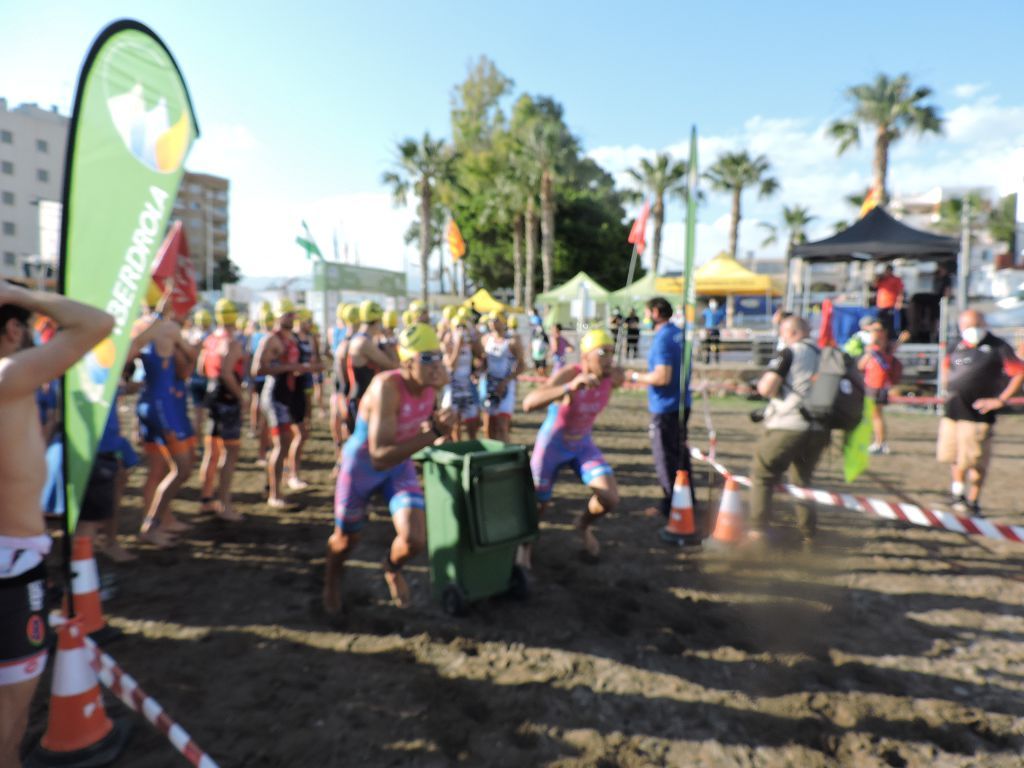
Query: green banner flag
[689, 285]
[131, 128]
[308, 243]
[855, 446]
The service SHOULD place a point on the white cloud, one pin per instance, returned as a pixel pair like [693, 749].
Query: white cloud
[983, 147]
[968, 90]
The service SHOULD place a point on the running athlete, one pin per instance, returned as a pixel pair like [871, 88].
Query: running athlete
[167, 434]
[396, 418]
[349, 315]
[365, 358]
[575, 396]
[503, 359]
[461, 352]
[24, 636]
[389, 324]
[560, 348]
[202, 325]
[222, 362]
[257, 422]
[283, 399]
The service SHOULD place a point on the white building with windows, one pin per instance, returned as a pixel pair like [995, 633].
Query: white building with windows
[32, 146]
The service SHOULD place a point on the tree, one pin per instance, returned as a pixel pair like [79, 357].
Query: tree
[662, 177]
[475, 113]
[438, 219]
[732, 173]
[893, 108]
[224, 271]
[421, 167]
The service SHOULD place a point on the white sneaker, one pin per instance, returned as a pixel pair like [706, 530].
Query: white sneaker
[296, 484]
[874, 449]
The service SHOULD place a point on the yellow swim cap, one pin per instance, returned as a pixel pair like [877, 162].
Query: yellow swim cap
[283, 307]
[408, 318]
[370, 311]
[496, 316]
[266, 318]
[304, 314]
[449, 312]
[417, 306]
[463, 313]
[225, 311]
[594, 339]
[265, 307]
[241, 323]
[389, 319]
[339, 311]
[202, 318]
[416, 339]
[513, 322]
[350, 314]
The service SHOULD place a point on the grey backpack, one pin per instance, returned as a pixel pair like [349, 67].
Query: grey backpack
[836, 397]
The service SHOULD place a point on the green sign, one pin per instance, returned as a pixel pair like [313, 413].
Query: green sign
[331, 276]
[689, 284]
[131, 128]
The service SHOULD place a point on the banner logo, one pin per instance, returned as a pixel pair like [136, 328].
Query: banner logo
[95, 369]
[148, 133]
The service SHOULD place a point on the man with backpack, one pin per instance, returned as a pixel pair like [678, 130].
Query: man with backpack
[790, 438]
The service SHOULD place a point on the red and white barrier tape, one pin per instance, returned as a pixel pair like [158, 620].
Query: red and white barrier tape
[908, 513]
[123, 685]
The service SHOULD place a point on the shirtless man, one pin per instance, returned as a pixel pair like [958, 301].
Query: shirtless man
[23, 540]
[222, 363]
[503, 358]
[575, 395]
[396, 419]
[283, 400]
[166, 430]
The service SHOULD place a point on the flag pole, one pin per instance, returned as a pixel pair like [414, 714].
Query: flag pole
[689, 288]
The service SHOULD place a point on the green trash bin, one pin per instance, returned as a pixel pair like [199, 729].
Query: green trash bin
[481, 506]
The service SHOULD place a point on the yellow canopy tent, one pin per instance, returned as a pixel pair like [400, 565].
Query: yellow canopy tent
[722, 276]
[483, 302]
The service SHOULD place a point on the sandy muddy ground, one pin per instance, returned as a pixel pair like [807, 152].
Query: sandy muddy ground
[886, 647]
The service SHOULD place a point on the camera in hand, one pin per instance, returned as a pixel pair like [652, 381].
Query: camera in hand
[757, 415]
[491, 400]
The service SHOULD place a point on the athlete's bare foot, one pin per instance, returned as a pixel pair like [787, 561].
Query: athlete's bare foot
[332, 596]
[114, 551]
[171, 524]
[591, 547]
[158, 538]
[524, 555]
[228, 514]
[398, 587]
[210, 505]
[261, 462]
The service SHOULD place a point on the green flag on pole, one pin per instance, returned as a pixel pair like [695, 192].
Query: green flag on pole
[856, 444]
[689, 286]
[131, 128]
[306, 241]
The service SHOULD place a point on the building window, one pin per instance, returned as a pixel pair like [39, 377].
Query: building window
[6, 137]
[8, 228]
[42, 174]
[42, 146]
[9, 259]
[8, 198]
[7, 167]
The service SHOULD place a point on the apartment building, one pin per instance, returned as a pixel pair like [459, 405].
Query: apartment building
[202, 207]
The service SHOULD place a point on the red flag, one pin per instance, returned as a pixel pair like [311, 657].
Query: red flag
[172, 262]
[456, 244]
[636, 234]
[825, 336]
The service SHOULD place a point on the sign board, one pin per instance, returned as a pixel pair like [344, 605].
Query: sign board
[332, 276]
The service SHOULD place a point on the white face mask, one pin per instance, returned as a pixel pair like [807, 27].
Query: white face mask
[865, 336]
[780, 345]
[973, 335]
[713, 304]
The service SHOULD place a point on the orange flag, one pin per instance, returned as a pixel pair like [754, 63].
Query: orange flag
[871, 200]
[455, 242]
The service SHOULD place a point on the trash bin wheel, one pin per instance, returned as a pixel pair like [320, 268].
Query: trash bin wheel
[519, 584]
[453, 600]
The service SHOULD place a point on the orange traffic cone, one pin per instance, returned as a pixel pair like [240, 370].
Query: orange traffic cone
[78, 732]
[731, 523]
[681, 529]
[85, 586]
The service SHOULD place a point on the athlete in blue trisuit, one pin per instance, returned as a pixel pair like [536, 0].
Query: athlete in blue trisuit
[257, 422]
[166, 430]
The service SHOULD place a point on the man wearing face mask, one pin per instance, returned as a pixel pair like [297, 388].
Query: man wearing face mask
[979, 376]
[713, 317]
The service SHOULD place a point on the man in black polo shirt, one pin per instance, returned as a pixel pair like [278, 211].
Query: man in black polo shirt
[980, 375]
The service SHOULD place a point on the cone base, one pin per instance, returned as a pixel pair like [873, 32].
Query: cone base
[103, 752]
[680, 540]
[105, 635]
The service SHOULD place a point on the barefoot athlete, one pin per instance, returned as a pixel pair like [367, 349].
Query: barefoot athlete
[257, 422]
[222, 363]
[23, 540]
[575, 395]
[283, 400]
[309, 355]
[164, 425]
[202, 326]
[503, 357]
[396, 419]
[349, 315]
[462, 350]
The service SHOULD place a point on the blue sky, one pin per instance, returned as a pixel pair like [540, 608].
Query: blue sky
[301, 103]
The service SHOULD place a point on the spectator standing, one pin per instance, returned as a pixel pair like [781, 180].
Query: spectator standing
[633, 335]
[714, 316]
[889, 300]
[881, 371]
[980, 375]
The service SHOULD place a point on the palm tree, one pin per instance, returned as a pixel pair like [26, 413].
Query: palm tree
[506, 205]
[421, 167]
[662, 177]
[547, 145]
[732, 173]
[893, 108]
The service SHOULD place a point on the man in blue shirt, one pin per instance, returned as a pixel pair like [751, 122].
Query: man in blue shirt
[714, 315]
[664, 362]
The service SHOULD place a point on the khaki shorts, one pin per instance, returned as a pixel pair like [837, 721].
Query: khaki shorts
[965, 444]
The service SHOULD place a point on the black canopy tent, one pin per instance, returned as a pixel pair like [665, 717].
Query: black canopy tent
[881, 237]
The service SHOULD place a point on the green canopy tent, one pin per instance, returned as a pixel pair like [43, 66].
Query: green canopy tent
[636, 295]
[559, 300]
